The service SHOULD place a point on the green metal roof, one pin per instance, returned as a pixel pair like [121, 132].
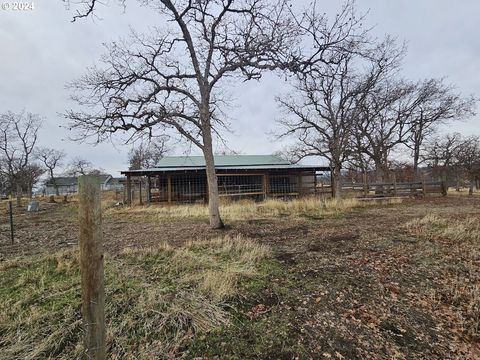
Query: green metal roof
[221, 160]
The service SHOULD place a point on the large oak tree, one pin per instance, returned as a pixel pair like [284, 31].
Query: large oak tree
[324, 113]
[172, 78]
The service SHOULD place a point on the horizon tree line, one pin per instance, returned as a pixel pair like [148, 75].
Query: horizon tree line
[23, 163]
[358, 113]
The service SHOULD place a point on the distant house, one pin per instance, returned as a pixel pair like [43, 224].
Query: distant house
[115, 183]
[69, 184]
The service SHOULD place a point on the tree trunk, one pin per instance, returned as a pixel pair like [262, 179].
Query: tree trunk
[416, 158]
[379, 173]
[457, 182]
[19, 194]
[380, 178]
[213, 198]
[336, 183]
[444, 183]
[54, 182]
[30, 191]
[472, 185]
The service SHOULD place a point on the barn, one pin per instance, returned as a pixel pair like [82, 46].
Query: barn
[182, 179]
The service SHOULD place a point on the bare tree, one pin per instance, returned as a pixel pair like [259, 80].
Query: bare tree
[437, 104]
[148, 155]
[440, 154]
[385, 122]
[171, 80]
[468, 157]
[18, 136]
[324, 116]
[51, 159]
[30, 176]
[79, 166]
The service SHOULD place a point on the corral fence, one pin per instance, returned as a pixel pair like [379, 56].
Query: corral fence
[417, 189]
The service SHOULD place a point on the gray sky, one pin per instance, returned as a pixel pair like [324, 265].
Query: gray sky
[41, 50]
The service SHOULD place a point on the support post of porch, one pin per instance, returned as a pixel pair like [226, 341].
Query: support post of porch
[299, 185]
[169, 188]
[129, 190]
[266, 187]
[332, 188]
[149, 190]
[395, 191]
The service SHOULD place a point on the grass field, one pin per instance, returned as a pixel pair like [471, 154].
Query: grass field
[306, 279]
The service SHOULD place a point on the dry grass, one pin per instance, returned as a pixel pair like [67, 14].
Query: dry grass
[157, 299]
[310, 207]
[459, 231]
[458, 240]
[464, 191]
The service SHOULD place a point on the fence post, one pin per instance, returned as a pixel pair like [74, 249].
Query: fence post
[395, 193]
[10, 212]
[91, 267]
[365, 185]
[424, 189]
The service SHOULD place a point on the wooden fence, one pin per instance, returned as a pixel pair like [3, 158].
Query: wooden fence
[389, 189]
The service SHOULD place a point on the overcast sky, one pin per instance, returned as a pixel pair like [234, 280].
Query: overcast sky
[41, 50]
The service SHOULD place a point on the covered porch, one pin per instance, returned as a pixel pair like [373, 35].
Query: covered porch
[190, 185]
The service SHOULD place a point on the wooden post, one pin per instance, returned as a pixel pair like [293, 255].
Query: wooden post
[149, 190]
[365, 185]
[395, 185]
[169, 188]
[299, 185]
[91, 267]
[424, 188]
[129, 190]
[160, 188]
[140, 200]
[332, 189]
[10, 212]
[265, 186]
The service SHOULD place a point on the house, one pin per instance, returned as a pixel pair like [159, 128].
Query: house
[183, 178]
[69, 184]
[115, 183]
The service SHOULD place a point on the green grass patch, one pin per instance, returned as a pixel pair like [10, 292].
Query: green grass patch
[157, 300]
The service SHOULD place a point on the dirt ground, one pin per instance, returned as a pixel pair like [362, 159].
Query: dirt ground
[353, 286]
